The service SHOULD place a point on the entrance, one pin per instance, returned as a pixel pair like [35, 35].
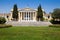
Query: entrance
[27, 16]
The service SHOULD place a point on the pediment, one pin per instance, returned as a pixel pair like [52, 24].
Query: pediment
[27, 9]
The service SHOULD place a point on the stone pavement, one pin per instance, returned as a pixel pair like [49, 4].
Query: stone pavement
[16, 23]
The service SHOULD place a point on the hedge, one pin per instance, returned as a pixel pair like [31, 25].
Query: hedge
[55, 25]
[54, 22]
[2, 20]
[5, 26]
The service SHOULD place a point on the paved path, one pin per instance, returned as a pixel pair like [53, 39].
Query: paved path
[16, 23]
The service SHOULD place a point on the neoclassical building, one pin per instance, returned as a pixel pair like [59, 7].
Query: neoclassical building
[26, 14]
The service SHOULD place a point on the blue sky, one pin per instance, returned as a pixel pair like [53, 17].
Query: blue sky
[47, 5]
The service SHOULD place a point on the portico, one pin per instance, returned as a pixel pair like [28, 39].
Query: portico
[27, 14]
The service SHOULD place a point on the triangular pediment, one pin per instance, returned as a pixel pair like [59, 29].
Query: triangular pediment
[27, 9]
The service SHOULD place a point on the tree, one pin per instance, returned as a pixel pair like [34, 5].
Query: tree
[56, 13]
[56, 16]
[15, 12]
[39, 14]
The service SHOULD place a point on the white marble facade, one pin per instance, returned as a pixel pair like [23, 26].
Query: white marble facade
[26, 14]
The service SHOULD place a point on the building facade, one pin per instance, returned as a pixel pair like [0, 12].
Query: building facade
[26, 14]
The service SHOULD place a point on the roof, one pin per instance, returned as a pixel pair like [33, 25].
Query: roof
[26, 9]
[47, 15]
[1, 14]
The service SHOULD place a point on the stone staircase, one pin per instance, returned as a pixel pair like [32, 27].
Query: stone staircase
[16, 23]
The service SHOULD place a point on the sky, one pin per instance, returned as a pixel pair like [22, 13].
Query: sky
[47, 5]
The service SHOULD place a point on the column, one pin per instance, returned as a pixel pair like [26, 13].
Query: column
[28, 16]
[33, 15]
[10, 17]
[19, 16]
[22, 15]
[25, 16]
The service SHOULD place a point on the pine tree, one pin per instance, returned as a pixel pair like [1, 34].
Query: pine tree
[15, 12]
[39, 14]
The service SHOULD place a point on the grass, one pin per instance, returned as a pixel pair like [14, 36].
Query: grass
[30, 33]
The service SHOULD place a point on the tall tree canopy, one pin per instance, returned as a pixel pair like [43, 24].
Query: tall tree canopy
[15, 12]
[56, 13]
[56, 16]
[40, 13]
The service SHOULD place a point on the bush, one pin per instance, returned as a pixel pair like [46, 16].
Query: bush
[5, 26]
[56, 25]
[2, 20]
[55, 22]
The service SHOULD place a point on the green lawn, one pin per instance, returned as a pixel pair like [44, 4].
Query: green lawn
[30, 33]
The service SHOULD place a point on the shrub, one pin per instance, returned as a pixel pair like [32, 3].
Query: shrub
[5, 26]
[2, 20]
[54, 22]
[56, 25]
